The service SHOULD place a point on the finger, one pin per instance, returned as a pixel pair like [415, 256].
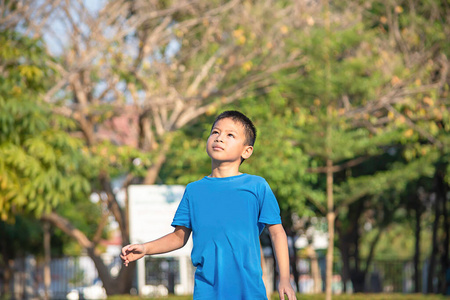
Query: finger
[132, 248]
[125, 249]
[124, 257]
[292, 296]
[124, 253]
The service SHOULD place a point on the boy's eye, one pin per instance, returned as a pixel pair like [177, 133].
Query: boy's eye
[214, 132]
[230, 135]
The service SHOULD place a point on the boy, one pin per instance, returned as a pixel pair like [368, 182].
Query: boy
[226, 212]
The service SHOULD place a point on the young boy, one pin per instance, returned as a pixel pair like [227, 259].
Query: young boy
[226, 212]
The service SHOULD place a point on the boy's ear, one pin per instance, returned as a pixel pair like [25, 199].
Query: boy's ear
[247, 152]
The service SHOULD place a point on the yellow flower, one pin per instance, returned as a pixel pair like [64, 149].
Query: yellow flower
[408, 133]
[395, 80]
[428, 101]
[247, 66]
[398, 9]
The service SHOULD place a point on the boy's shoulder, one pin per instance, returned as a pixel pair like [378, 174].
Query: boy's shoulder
[256, 178]
[243, 179]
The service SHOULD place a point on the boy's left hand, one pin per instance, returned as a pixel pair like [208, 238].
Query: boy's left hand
[284, 287]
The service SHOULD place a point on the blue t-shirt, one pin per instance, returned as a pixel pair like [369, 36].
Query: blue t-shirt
[226, 216]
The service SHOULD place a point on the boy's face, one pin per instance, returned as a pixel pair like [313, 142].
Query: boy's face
[226, 143]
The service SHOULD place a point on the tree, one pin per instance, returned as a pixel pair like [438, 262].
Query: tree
[40, 164]
[20, 237]
[397, 128]
[417, 31]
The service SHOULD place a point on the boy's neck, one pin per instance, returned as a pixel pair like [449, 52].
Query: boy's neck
[222, 171]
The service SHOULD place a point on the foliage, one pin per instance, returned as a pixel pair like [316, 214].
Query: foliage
[40, 163]
[397, 236]
[24, 236]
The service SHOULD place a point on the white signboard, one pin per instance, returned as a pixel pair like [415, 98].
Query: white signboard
[151, 211]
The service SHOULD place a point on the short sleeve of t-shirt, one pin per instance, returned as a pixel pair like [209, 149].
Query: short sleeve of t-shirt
[182, 216]
[269, 209]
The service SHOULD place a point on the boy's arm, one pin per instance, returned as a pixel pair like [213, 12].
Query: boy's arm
[279, 241]
[167, 243]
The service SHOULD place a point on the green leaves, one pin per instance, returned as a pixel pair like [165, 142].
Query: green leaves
[118, 160]
[40, 164]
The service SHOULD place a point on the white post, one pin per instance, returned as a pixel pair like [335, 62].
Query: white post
[186, 275]
[140, 266]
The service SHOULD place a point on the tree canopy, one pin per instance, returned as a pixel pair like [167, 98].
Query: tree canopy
[41, 165]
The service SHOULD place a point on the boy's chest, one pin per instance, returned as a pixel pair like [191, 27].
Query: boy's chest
[234, 209]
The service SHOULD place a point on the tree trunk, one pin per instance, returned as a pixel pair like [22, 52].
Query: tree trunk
[373, 244]
[357, 276]
[6, 279]
[113, 286]
[114, 207]
[153, 171]
[345, 258]
[47, 258]
[434, 243]
[293, 261]
[292, 253]
[445, 254]
[417, 284]
[5, 265]
[275, 269]
[330, 221]
[119, 285]
[358, 280]
[146, 139]
[315, 270]
[443, 281]
[348, 245]
[346, 232]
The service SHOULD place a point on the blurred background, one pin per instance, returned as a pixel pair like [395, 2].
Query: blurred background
[350, 100]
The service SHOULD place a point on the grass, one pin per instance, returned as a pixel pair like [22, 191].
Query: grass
[312, 297]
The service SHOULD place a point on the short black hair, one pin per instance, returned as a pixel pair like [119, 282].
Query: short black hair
[249, 128]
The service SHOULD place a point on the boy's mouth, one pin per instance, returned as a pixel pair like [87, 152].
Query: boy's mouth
[217, 148]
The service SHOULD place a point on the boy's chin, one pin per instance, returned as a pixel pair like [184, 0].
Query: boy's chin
[217, 162]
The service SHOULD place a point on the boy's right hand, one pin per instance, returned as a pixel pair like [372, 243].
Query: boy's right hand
[131, 253]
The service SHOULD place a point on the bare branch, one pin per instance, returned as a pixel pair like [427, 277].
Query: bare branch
[68, 228]
[341, 167]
